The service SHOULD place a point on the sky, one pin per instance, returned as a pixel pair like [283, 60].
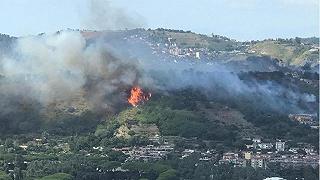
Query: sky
[237, 19]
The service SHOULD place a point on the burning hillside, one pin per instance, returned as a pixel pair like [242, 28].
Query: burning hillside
[138, 96]
[53, 68]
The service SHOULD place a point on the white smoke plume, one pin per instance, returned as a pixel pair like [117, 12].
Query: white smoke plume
[51, 68]
[103, 15]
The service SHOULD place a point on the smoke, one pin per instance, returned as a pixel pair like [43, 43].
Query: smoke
[62, 67]
[218, 81]
[104, 16]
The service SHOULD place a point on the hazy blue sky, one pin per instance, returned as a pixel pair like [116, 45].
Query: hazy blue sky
[239, 19]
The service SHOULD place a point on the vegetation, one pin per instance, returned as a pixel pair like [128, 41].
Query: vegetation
[58, 176]
[176, 114]
[291, 53]
[4, 176]
[84, 146]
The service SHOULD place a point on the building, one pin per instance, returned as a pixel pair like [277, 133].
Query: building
[256, 140]
[307, 119]
[146, 153]
[247, 155]
[197, 55]
[265, 145]
[296, 160]
[187, 153]
[24, 147]
[258, 162]
[293, 150]
[155, 138]
[274, 178]
[280, 146]
[232, 158]
[249, 146]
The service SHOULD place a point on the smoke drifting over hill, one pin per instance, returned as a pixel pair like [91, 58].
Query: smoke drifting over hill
[57, 67]
[220, 81]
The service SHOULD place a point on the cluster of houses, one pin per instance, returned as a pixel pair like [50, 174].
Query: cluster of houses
[146, 153]
[208, 155]
[258, 144]
[257, 154]
[261, 154]
[258, 160]
[306, 119]
[169, 49]
[40, 145]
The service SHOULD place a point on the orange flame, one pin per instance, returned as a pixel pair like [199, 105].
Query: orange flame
[138, 96]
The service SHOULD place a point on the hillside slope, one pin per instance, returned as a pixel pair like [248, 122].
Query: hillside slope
[288, 53]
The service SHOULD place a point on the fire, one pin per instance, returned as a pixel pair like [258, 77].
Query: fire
[138, 96]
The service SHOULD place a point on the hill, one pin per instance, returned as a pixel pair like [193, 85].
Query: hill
[290, 52]
[207, 107]
[295, 52]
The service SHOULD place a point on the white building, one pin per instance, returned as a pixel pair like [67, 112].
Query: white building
[265, 146]
[198, 55]
[280, 146]
[258, 162]
[274, 178]
[256, 140]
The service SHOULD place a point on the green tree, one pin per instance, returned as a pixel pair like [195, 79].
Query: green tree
[117, 156]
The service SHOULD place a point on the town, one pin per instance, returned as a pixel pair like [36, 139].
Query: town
[256, 152]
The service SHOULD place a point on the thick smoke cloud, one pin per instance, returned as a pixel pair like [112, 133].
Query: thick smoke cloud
[64, 66]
